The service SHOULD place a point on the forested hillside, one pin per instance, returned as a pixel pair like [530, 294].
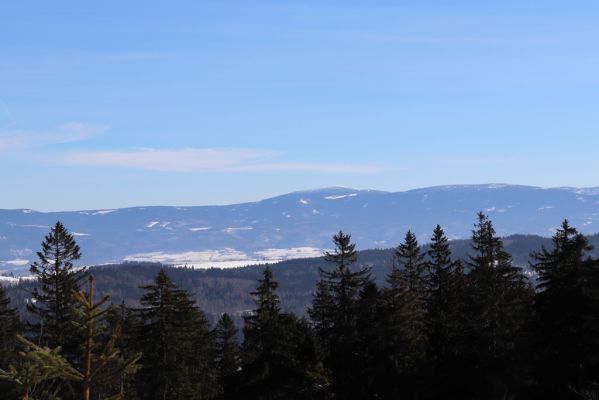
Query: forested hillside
[228, 290]
[439, 321]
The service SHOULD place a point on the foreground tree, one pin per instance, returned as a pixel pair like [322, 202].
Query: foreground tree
[279, 353]
[567, 316]
[445, 307]
[404, 327]
[499, 305]
[176, 343]
[334, 313]
[101, 362]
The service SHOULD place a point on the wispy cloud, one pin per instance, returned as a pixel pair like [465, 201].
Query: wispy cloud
[16, 139]
[204, 160]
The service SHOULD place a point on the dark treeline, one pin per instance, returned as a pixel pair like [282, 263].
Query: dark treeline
[438, 326]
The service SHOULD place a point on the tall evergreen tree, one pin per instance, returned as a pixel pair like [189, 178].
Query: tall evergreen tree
[567, 316]
[444, 318]
[411, 261]
[279, 358]
[53, 301]
[176, 343]
[500, 297]
[405, 300]
[334, 313]
[10, 326]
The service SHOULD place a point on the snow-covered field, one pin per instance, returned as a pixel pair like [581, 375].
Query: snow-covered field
[226, 258]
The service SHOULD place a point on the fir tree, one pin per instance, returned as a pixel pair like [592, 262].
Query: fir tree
[176, 343]
[404, 301]
[334, 312]
[102, 362]
[36, 365]
[567, 310]
[444, 318]
[53, 302]
[411, 262]
[499, 300]
[278, 355]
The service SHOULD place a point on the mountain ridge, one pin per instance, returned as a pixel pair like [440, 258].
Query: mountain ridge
[296, 224]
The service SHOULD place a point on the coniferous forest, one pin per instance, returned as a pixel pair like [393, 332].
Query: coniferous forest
[439, 327]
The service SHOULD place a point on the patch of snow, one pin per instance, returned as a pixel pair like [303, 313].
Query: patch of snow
[103, 212]
[302, 201]
[27, 211]
[152, 224]
[275, 255]
[204, 228]
[225, 258]
[341, 196]
[238, 229]
[17, 262]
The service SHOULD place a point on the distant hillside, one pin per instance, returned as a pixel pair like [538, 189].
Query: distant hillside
[227, 290]
[294, 225]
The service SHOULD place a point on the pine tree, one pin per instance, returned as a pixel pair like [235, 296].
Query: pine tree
[334, 313]
[102, 362]
[444, 318]
[52, 300]
[567, 310]
[10, 326]
[279, 356]
[411, 262]
[404, 301]
[176, 343]
[499, 302]
[36, 365]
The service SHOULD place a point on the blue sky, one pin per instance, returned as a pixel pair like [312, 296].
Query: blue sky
[122, 103]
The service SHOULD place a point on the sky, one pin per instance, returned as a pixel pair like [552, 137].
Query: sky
[129, 103]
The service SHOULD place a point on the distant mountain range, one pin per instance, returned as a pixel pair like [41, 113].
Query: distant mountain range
[294, 225]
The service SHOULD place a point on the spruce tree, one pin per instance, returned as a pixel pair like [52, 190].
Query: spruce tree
[334, 313]
[52, 299]
[279, 356]
[567, 316]
[102, 363]
[444, 318]
[404, 301]
[176, 343]
[499, 304]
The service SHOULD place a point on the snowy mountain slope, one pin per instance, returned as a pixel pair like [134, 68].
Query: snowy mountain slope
[294, 225]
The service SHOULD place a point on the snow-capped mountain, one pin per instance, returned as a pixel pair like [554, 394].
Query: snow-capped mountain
[294, 225]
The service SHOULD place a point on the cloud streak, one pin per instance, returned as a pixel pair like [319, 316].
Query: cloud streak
[11, 140]
[189, 160]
